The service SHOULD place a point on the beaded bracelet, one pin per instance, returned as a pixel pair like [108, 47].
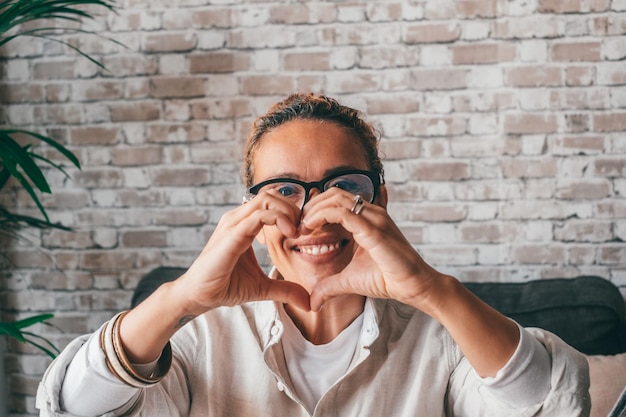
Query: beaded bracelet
[118, 363]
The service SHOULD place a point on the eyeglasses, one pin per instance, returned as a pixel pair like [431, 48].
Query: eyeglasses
[363, 183]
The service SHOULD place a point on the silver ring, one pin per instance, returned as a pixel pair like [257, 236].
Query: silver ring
[358, 206]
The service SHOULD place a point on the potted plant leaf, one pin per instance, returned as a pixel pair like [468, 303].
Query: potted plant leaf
[22, 164]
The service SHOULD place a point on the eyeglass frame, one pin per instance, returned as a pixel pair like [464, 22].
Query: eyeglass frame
[375, 177]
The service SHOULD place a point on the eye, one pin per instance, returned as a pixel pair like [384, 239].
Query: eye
[287, 189]
[346, 184]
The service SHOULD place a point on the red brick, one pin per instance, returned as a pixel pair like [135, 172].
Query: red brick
[539, 254]
[94, 90]
[226, 108]
[181, 176]
[530, 123]
[436, 125]
[483, 53]
[175, 133]
[177, 87]
[53, 70]
[610, 167]
[533, 76]
[292, 14]
[583, 231]
[219, 62]
[489, 232]
[98, 178]
[520, 168]
[21, 93]
[205, 153]
[585, 145]
[107, 260]
[613, 254]
[432, 33]
[213, 18]
[439, 79]
[439, 171]
[433, 213]
[583, 189]
[400, 149]
[573, 6]
[579, 76]
[131, 65]
[477, 8]
[306, 61]
[135, 111]
[136, 156]
[169, 42]
[267, 84]
[55, 239]
[57, 92]
[180, 217]
[378, 57]
[144, 238]
[141, 198]
[611, 209]
[393, 104]
[576, 51]
[615, 122]
[94, 135]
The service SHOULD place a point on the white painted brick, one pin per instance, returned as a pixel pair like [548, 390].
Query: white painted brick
[342, 58]
[533, 99]
[437, 103]
[209, 40]
[618, 5]
[475, 30]
[520, 7]
[493, 254]
[412, 11]
[435, 55]
[539, 231]
[482, 211]
[614, 49]
[533, 50]
[136, 178]
[440, 233]
[483, 124]
[485, 77]
[173, 64]
[533, 144]
[105, 237]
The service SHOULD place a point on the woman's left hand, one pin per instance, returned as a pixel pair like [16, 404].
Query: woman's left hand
[385, 265]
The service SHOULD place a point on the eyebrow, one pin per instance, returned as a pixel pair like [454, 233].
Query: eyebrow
[327, 173]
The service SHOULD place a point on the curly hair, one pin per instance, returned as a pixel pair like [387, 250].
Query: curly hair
[309, 106]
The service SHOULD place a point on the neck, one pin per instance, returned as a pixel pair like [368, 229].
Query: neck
[323, 326]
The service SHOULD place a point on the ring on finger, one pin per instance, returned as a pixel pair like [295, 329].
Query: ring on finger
[358, 206]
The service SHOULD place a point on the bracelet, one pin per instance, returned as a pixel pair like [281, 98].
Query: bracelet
[118, 363]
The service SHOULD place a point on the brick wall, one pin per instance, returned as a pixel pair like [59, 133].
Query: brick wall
[503, 124]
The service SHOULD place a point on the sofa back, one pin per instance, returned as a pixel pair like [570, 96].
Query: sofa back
[587, 312]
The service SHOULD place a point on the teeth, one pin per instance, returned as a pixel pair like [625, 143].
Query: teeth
[319, 249]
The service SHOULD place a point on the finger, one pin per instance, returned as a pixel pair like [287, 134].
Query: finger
[287, 292]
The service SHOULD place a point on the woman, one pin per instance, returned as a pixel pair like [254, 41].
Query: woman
[350, 322]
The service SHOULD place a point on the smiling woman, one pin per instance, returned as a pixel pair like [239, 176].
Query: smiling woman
[351, 321]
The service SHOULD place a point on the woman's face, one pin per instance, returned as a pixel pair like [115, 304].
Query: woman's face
[308, 150]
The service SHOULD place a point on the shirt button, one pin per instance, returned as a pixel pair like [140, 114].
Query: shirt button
[280, 386]
[275, 330]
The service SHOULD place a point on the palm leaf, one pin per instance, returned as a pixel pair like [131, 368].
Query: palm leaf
[14, 329]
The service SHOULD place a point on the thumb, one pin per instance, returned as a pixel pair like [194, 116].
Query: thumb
[287, 292]
[326, 289]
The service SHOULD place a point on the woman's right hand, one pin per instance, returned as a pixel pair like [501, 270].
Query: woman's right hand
[227, 273]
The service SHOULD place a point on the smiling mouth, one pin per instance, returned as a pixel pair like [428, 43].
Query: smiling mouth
[323, 249]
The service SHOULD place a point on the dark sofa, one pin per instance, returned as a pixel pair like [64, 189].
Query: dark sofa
[587, 312]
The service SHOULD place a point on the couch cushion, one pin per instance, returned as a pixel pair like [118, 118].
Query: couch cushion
[607, 375]
[587, 312]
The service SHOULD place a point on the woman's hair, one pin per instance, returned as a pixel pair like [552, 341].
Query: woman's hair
[302, 106]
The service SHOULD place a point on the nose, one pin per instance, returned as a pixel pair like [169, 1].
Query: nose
[311, 192]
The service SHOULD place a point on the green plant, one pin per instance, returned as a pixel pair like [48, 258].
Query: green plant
[19, 159]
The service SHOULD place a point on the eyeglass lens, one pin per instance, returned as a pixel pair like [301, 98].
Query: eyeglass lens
[353, 183]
